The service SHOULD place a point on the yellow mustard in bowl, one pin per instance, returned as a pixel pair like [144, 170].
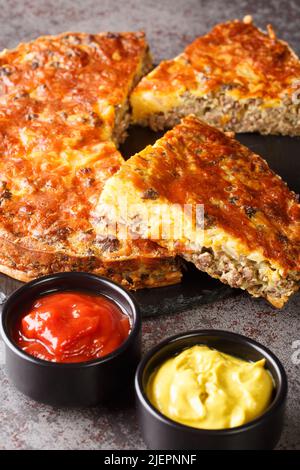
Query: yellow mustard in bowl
[204, 388]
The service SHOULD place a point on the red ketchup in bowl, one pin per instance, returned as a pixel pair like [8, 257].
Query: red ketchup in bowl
[72, 327]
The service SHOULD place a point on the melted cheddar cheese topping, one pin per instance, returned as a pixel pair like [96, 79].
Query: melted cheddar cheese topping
[234, 57]
[248, 210]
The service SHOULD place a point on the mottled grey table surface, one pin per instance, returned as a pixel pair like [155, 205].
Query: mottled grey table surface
[169, 25]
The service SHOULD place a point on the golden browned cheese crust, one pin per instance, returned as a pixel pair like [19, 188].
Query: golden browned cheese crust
[234, 63]
[248, 209]
[68, 86]
[59, 101]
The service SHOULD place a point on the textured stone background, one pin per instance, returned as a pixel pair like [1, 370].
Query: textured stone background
[169, 24]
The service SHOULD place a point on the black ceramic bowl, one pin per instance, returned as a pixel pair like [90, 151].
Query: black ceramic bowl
[160, 432]
[71, 384]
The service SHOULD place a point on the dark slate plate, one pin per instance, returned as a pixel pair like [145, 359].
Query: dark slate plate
[196, 288]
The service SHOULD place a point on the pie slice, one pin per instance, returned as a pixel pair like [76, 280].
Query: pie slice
[63, 108]
[249, 236]
[236, 78]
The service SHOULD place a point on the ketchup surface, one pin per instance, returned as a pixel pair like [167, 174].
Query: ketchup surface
[72, 327]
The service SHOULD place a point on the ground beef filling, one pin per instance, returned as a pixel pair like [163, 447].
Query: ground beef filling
[242, 273]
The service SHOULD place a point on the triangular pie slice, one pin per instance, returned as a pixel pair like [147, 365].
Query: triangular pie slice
[63, 108]
[236, 78]
[251, 225]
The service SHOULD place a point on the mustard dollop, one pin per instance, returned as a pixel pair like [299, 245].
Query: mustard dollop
[207, 389]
